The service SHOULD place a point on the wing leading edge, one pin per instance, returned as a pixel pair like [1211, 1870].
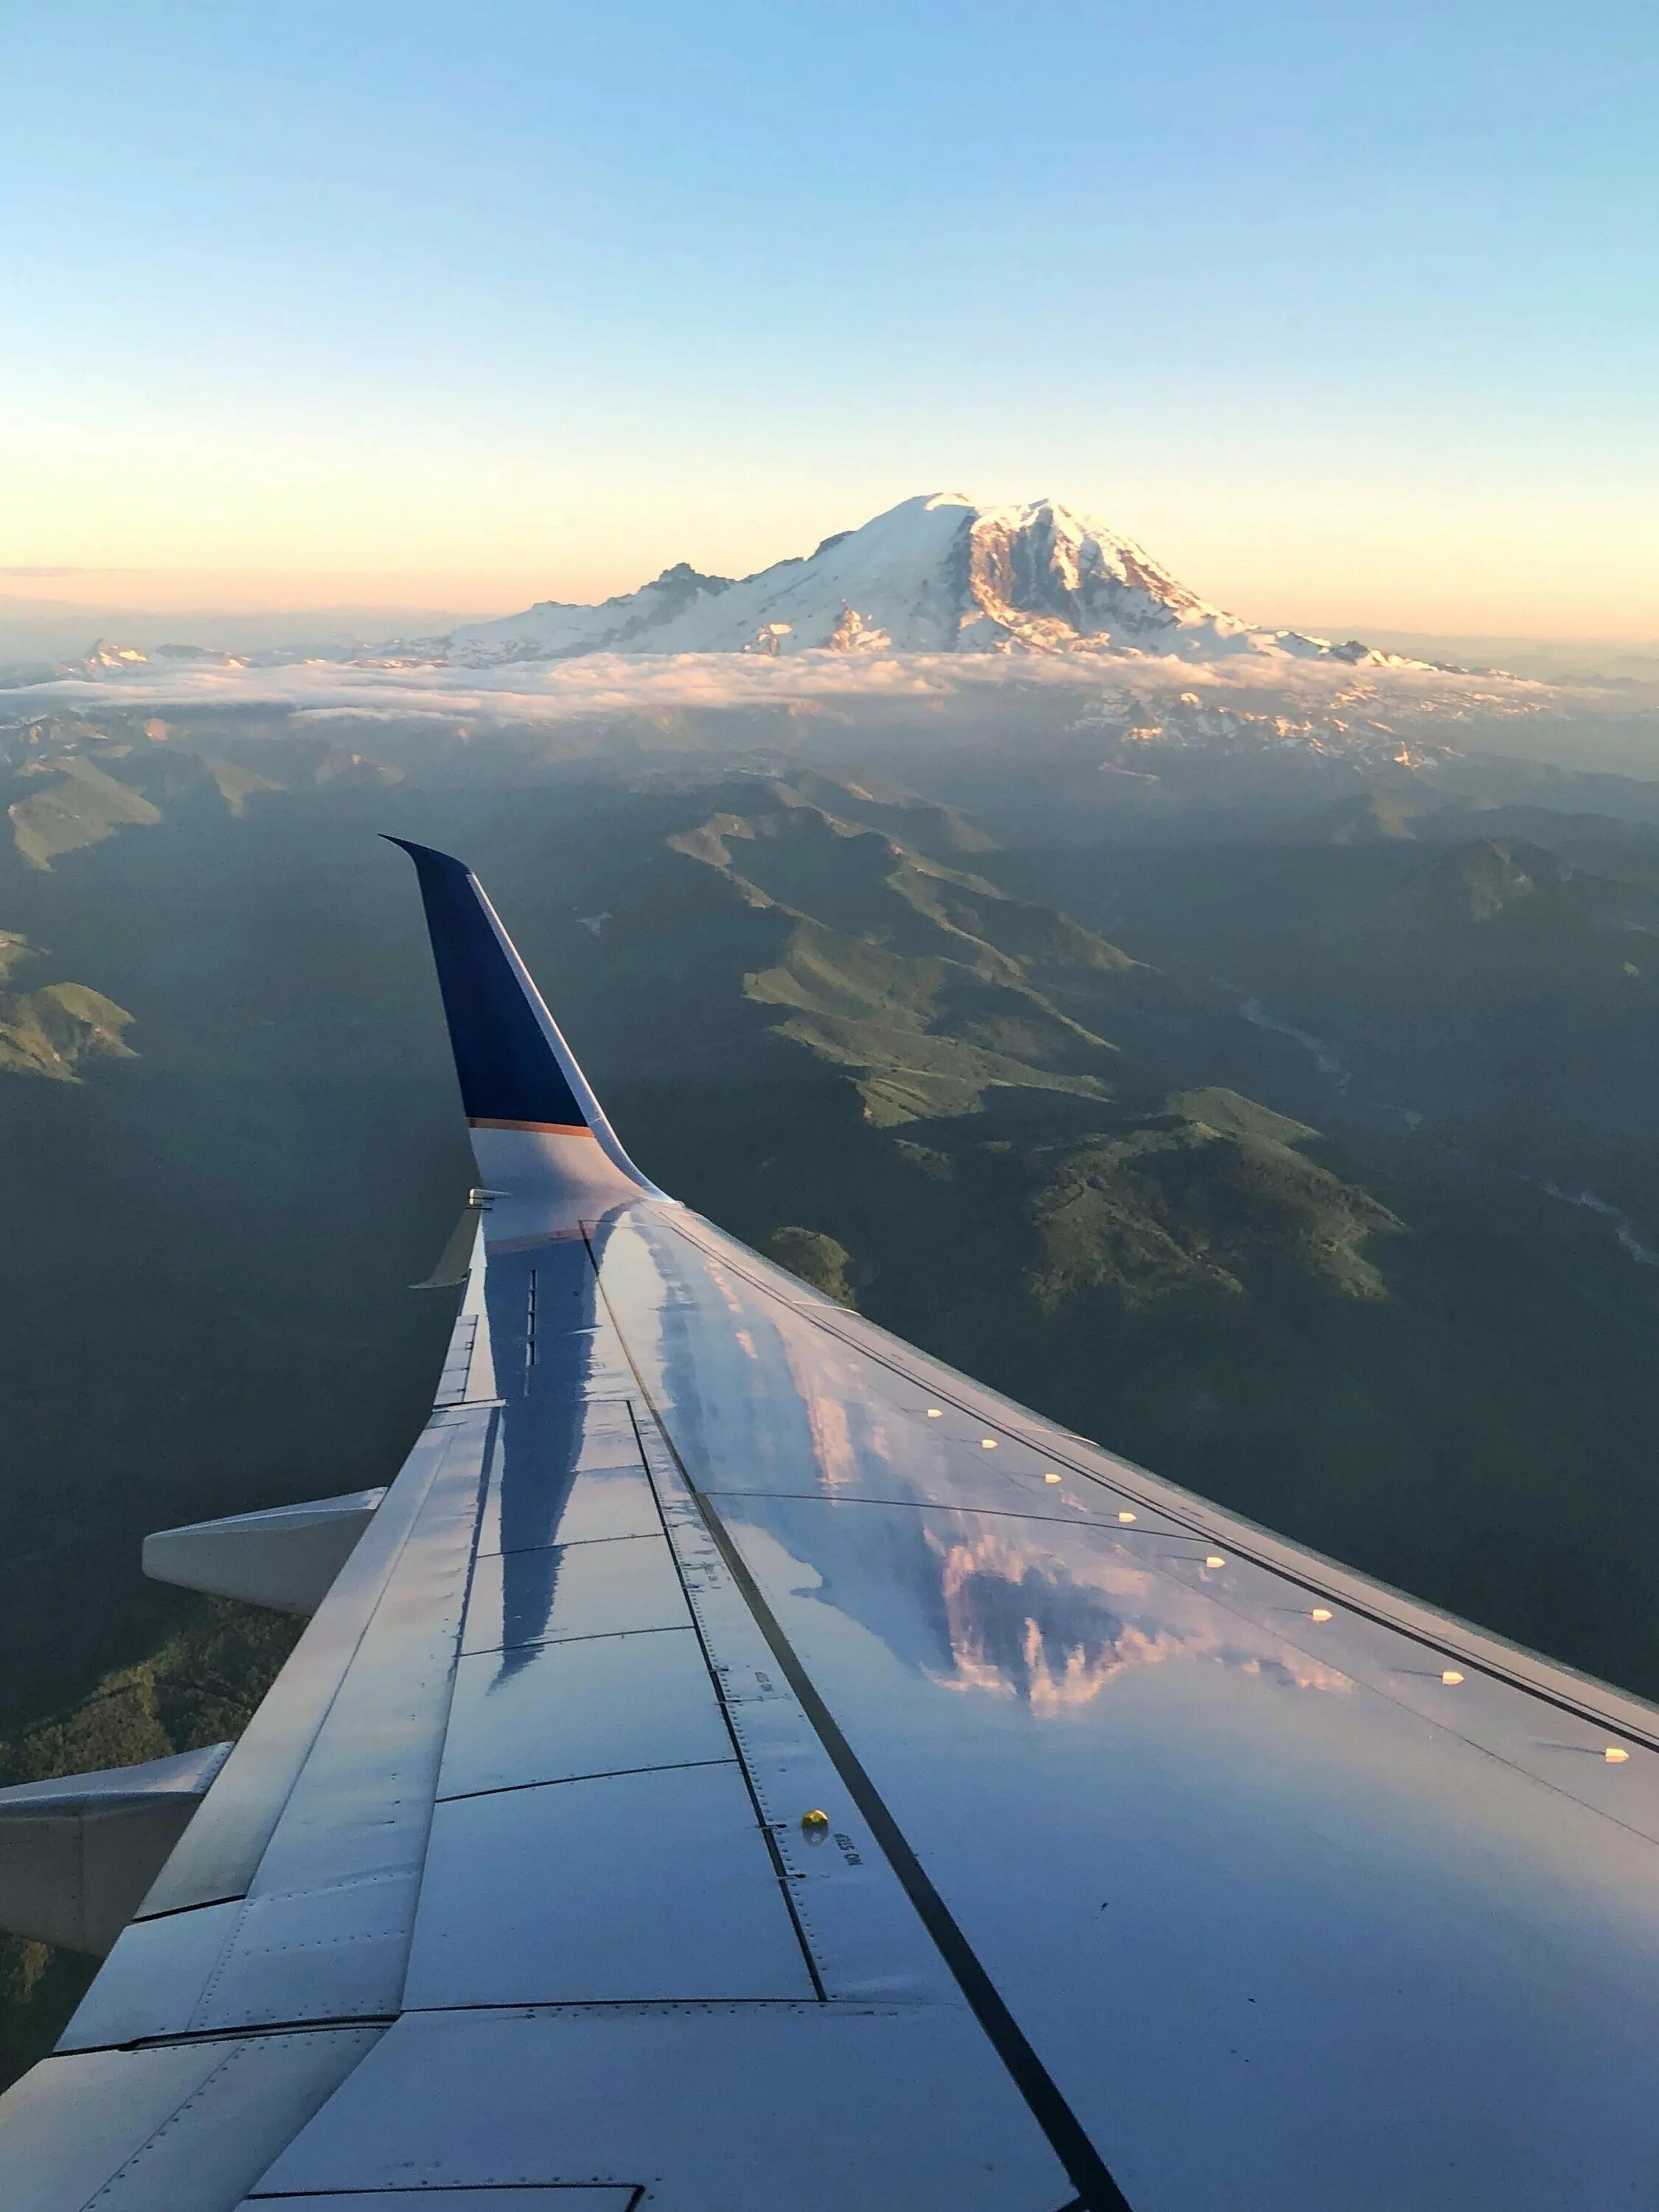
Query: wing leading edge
[743, 1759]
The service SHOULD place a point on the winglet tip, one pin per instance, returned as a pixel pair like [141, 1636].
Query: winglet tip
[419, 853]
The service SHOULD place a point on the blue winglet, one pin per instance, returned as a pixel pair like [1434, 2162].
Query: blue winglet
[513, 1073]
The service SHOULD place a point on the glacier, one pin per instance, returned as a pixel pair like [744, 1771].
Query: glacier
[936, 573]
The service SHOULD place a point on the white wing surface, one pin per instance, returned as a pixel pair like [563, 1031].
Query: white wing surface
[743, 1763]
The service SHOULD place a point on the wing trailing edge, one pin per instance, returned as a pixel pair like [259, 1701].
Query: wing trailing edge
[77, 1854]
[286, 1557]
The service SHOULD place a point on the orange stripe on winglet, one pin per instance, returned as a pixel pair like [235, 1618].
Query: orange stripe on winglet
[541, 1129]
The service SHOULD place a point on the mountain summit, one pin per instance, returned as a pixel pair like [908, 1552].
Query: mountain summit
[933, 575]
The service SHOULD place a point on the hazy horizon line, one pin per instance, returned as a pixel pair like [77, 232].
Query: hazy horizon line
[19, 611]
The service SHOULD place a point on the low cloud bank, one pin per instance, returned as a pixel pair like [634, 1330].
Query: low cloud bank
[606, 683]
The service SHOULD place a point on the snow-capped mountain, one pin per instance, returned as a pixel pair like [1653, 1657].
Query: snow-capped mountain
[935, 575]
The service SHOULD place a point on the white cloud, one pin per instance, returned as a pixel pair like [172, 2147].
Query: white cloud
[604, 683]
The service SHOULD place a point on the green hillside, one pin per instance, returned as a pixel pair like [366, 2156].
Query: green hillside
[75, 804]
[55, 1030]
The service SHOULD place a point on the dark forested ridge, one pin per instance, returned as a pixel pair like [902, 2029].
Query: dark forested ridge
[1309, 1166]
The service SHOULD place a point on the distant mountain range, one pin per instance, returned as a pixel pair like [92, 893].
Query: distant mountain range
[934, 575]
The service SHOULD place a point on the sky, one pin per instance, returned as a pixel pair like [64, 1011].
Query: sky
[1348, 314]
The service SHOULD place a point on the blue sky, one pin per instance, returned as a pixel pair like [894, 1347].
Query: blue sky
[1348, 313]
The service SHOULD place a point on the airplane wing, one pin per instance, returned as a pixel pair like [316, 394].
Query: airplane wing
[740, 1763]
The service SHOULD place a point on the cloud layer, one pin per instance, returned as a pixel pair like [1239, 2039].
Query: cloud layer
[607, 683]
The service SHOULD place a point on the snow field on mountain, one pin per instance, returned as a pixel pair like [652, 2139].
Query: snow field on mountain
[933, 575]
